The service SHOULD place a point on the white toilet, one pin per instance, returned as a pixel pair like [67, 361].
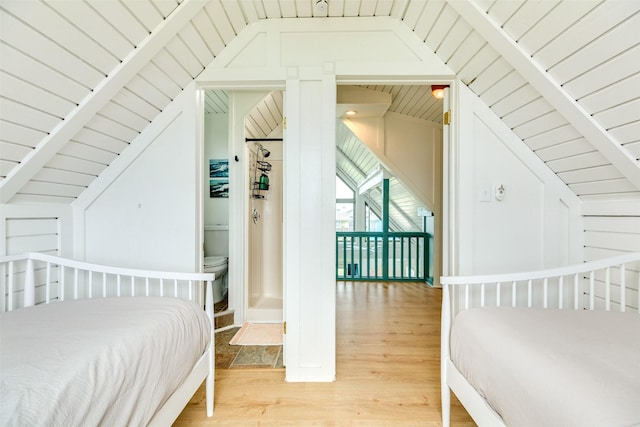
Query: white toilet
[216, 250]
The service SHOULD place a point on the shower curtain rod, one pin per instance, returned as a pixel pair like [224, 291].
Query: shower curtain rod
[262, 139]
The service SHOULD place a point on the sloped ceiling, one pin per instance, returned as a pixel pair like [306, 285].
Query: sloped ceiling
[80, 80]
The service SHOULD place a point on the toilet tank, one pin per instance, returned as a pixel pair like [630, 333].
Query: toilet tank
[216, 240]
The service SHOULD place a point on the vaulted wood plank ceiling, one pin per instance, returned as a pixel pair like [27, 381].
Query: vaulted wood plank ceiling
[79, 80]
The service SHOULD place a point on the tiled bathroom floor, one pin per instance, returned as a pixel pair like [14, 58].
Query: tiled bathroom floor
[245, 356]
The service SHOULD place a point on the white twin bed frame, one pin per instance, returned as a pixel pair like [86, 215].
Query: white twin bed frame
[609, 284]
[36, 278]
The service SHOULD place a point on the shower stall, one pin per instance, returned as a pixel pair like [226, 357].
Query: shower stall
[264, 285]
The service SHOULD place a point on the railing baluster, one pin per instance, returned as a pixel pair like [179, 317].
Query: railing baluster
[401, 258]
[90, 273]
[360, 255]
[10, 291]
[498, 295]
[175, 288]
[61, 280]
[482, 290]
[161, 287]
[561, 291]
[75, 283]
[409, 257]
[545, 293]
[513, 294]
[529, 294]
[47, 285]
[104, 284]
[133, 286]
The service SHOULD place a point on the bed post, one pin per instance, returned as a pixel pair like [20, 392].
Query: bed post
[444, 355]
[212, 348]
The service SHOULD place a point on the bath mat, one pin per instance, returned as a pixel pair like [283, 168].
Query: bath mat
[258, 334]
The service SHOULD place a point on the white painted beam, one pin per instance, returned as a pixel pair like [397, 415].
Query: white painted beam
[101, 94]
[549, 89]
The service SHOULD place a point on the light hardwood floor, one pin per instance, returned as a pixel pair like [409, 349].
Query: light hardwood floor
[387, 363]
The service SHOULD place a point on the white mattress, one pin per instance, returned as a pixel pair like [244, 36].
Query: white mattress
[109, 361]
[552, 367]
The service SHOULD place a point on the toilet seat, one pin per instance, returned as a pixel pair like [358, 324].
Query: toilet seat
[215, 261]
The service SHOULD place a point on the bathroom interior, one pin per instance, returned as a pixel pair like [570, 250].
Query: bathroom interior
[263, 201]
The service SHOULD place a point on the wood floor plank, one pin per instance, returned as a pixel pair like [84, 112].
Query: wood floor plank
[387, 370]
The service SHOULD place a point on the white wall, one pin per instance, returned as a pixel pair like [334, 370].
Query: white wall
[143, 213]
[216, 146]
[537, 224]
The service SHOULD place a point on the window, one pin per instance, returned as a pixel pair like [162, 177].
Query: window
[345, 206]
[372, 222]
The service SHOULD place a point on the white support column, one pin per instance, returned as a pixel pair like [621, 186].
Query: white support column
[309, 224]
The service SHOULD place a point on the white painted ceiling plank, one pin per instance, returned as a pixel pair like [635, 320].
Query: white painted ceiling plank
[272, 9]
[610, 72]
[614, 42]
[236, 19]
[145, 12]
[165, 6]
[100, 140]
[52, 189]
[92, 23]
[164, 75]
[18, 64]
[70, 163]
[208, 32]
[565, 149]
[453, 41]
[501, 11]
[506, 86]
[52, 25]
[13, 152]
[30, 199]
[621, 241]
[101, 94]
[199, 48]
[63, 177]
[620, 114]
[398, 8]
[582, 161]
[413, 13]
[620, 92]
[528, 14]
[117, 130]
[145, 90]
[612, 187]
[123, 116]
[167, 73]
[133, 102]
[128, 25]
[558, 98]
[25, 93]
[606, 16]
[491, 76]
[427, 18]
[248, 11]
[626, 133]
[6, 166]
[384, 7]
[515, 100]
[441, 27]
[22, 135]
[634, 149]
[351, 8]
[563, 16]
[482, 59]
[528, 112]
[27, 116]
[553, 136]
[184, 56]
[44, 51]
[539, 125]
[621, 224]
[88, 152]
[288, 8]
[598, 173]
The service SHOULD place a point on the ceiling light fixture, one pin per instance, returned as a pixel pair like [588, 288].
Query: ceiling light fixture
[322, 5]
[350, 113]
[438, 91]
